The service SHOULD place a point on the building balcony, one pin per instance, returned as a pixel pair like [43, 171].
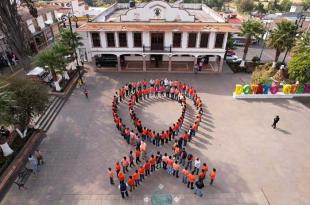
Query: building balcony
[149, 49]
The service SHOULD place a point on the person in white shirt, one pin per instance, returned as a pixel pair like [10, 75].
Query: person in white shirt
[197, 164]
[166, 82]
[152, 82]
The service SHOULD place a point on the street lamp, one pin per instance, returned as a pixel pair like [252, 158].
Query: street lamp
[264, 37]
[75, 19]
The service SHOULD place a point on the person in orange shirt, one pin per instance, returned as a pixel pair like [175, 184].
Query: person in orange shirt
[153, 162]
[131, 183]
[212, 176]
[117, 167]
[144, 134]
[110, 175]
[125, 164]
[147, 167]
[185, 173]
[137, 153]
[121, 176]
[136, 177]
[191, 178]
[141, 171]
[169, 165]
[176, 168]
[205, 167]
[201, 175]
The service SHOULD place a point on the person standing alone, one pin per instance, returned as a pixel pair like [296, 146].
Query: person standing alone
[275, 121]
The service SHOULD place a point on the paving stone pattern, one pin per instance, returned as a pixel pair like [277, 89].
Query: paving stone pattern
[256, 164]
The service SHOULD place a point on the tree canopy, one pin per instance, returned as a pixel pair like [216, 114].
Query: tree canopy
[299, 67]
[21, 100]
[245, 5]
[282, 37]
[13, 27]
[251, 29]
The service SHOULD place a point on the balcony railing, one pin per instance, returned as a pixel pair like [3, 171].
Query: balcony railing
[148, 49]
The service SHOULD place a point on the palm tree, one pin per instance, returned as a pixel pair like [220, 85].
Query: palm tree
[282, 37]
[302, 44]
[53, 59]
[250, 29]
[72, 40]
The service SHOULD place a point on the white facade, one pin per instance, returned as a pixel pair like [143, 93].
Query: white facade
[157, 23]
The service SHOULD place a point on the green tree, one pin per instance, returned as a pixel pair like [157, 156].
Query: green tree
[14, 28]
[298, 67]
[281, 37]
[230, 42]
[6, 102]
[260, 8]
[262, 74]
[245, 5]
[302, 44]
[70, 40]
[53, 59]
[30, 99]
[306, 4]
[251, 29]
[285, 5]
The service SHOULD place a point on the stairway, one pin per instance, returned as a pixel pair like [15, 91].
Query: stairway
[46, 119]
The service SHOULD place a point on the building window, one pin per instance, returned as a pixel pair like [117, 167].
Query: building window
[177, 40]
[219, 40]
[137, 39]
[96, 39]
[122, 39]
[192, 40]
[204, 39]
[110, 40]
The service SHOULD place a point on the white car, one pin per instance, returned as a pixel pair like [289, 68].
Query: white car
[233, 58]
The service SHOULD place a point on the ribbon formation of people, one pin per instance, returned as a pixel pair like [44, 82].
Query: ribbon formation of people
[180, 161]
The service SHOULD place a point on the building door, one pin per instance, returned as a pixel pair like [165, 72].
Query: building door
[157, 41]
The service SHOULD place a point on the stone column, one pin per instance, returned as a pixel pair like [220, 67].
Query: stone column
[144, 63]
[221, 64]
[169, 65]
[119, 68]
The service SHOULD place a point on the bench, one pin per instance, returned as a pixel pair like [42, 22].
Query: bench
[22, 178]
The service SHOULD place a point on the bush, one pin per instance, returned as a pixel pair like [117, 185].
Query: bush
[255, 59]
[299, 67]
[262, 74]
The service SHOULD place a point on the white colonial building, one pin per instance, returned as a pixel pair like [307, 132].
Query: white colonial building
[157, 36]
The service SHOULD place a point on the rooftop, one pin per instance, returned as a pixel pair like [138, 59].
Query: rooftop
[158, 26]
[122, 12]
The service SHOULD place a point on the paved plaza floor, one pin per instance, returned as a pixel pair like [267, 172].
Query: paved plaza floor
[256, 164]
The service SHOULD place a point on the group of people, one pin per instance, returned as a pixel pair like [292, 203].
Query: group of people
[136, 92]
[182, 163]
[36, 160]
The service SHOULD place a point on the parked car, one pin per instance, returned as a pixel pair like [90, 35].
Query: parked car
[230, 53]
[233, 58]
[106, 60]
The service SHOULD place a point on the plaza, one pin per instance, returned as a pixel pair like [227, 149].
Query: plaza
[256, 164]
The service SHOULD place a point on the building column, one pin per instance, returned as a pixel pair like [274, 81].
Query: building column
[119, 68]
[169, 65]
[221, 64]
[144, 63]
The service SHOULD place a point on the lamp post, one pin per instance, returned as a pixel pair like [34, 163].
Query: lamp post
[298, 24]
[268, 23]
[75, 19]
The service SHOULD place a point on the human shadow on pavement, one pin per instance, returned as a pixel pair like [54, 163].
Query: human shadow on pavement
[283, 131]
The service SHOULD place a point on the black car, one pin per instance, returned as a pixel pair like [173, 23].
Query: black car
[106, 60]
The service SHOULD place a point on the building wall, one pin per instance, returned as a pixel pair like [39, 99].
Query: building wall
[146, 41]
